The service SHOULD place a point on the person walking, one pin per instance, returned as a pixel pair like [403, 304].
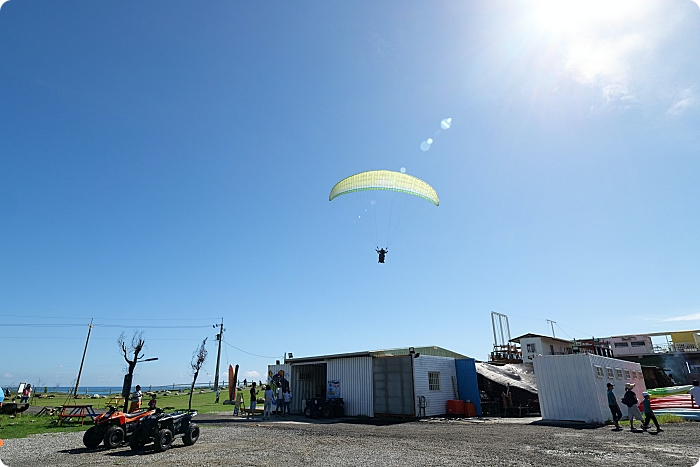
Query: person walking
[695, 394]
[614, 406]
[267, 407]
[630, 400]
[287, 400]
[648, 413]
[136, 399]
[253, 401]
[280, 401]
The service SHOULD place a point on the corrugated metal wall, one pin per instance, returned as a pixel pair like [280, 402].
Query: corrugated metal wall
[570, 387]
[305, 379]
[355, 376]
[436, 400]
[467, 382]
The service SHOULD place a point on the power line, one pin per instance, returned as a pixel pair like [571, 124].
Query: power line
[249, 353]
[108, 319]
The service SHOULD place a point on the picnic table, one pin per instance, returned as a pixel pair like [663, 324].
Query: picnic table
[80, 411]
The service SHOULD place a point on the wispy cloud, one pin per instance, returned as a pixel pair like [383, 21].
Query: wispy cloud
[690, 317]
[251, 374]
[686, 98]
[8, 375]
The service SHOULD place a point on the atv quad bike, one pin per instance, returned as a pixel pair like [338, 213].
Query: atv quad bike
[113, 427]
[162, 428]
[327, 408]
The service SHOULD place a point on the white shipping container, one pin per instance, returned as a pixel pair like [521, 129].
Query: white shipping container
[573, 387]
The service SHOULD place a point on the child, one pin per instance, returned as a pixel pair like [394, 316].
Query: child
[152, 403]
[648, 413]
[238, 404]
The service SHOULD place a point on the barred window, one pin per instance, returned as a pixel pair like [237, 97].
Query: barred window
[434, 380]
[627, 374]
[599, 371]
[611, 375]
[618, 373]
[305, 376]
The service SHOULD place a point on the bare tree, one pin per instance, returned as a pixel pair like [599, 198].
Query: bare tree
[132, 349]
[198, 358]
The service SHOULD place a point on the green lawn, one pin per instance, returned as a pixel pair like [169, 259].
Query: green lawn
[25, 424]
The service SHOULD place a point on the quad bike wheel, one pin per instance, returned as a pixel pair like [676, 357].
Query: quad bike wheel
[164, 438]
[137, 441]
[92, 438]
[114, 437]
[308, 412]
[192, 435]
[327, 411]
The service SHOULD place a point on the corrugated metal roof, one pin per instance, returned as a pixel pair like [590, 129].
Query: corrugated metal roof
[431, 351]
[529, 334]
[519, 375]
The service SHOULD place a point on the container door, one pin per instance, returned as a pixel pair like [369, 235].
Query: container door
[393, 386]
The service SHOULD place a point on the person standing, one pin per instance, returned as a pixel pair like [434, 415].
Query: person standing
[630, 400]
[280, 401]
[267, 407]
[239, 405]
[26, 392]
[253, 401]
[614, 406]
[2, 396]
[136, 399]
[648, 413]
[287, 400]
[153, 402]
[695, 394]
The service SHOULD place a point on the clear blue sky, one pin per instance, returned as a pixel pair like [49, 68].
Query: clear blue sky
[171, 161]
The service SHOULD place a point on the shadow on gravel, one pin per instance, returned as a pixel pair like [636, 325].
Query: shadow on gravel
[146, 451]
[566, 424]
[79, 450]
[311, 421]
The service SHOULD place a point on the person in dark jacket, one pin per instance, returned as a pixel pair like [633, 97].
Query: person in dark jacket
[382, 253]
[630, 400]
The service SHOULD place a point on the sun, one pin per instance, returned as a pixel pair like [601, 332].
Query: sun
[570, 16]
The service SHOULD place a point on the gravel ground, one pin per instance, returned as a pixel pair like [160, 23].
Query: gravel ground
[436, 443]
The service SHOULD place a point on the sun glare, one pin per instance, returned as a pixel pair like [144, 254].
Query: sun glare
[567, 16]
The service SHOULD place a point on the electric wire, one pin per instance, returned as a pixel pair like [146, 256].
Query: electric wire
[246, 352]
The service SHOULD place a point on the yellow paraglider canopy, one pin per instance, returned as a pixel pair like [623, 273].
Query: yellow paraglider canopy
[385, 180]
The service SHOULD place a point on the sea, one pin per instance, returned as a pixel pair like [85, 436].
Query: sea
[107, 390]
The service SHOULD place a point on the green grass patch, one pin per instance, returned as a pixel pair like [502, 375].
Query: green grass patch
[24, 424]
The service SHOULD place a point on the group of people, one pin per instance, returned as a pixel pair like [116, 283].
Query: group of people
[630, 400]
[282, 397]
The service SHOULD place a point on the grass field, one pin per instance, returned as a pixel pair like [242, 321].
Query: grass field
[26, 424]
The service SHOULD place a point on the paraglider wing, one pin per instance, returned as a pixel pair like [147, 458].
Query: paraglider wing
[385, 180]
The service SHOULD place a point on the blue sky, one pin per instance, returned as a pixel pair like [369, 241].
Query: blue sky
[167, 164]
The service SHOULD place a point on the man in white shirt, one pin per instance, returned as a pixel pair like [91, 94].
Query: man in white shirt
[280, 401]
[695, 393]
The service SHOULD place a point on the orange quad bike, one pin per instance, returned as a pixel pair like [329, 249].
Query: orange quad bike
[113, 427]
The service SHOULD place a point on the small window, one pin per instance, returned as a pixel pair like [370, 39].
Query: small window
[531, 348]
[640, 375]
[434, 380]
[599, 371]
[620, 344]
[639, 344]
[627, 374]
[611, 375]
[618, 373]
[305, 376]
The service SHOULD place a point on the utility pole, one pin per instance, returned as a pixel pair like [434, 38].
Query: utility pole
[552, 323]
[219, 337]
[80, 371]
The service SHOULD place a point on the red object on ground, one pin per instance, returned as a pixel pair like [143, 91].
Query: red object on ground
[455, 408]
[469, 409]
[677, 401]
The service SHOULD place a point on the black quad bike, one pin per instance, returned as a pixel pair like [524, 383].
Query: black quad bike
[113, 428]
[162, 428]
[327, 408]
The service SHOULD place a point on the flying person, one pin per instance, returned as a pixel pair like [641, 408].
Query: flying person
[382, 253]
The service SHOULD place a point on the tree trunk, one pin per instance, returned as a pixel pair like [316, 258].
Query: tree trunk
[189, 405]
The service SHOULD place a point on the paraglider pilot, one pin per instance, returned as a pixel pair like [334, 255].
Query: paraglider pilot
[382, 254]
